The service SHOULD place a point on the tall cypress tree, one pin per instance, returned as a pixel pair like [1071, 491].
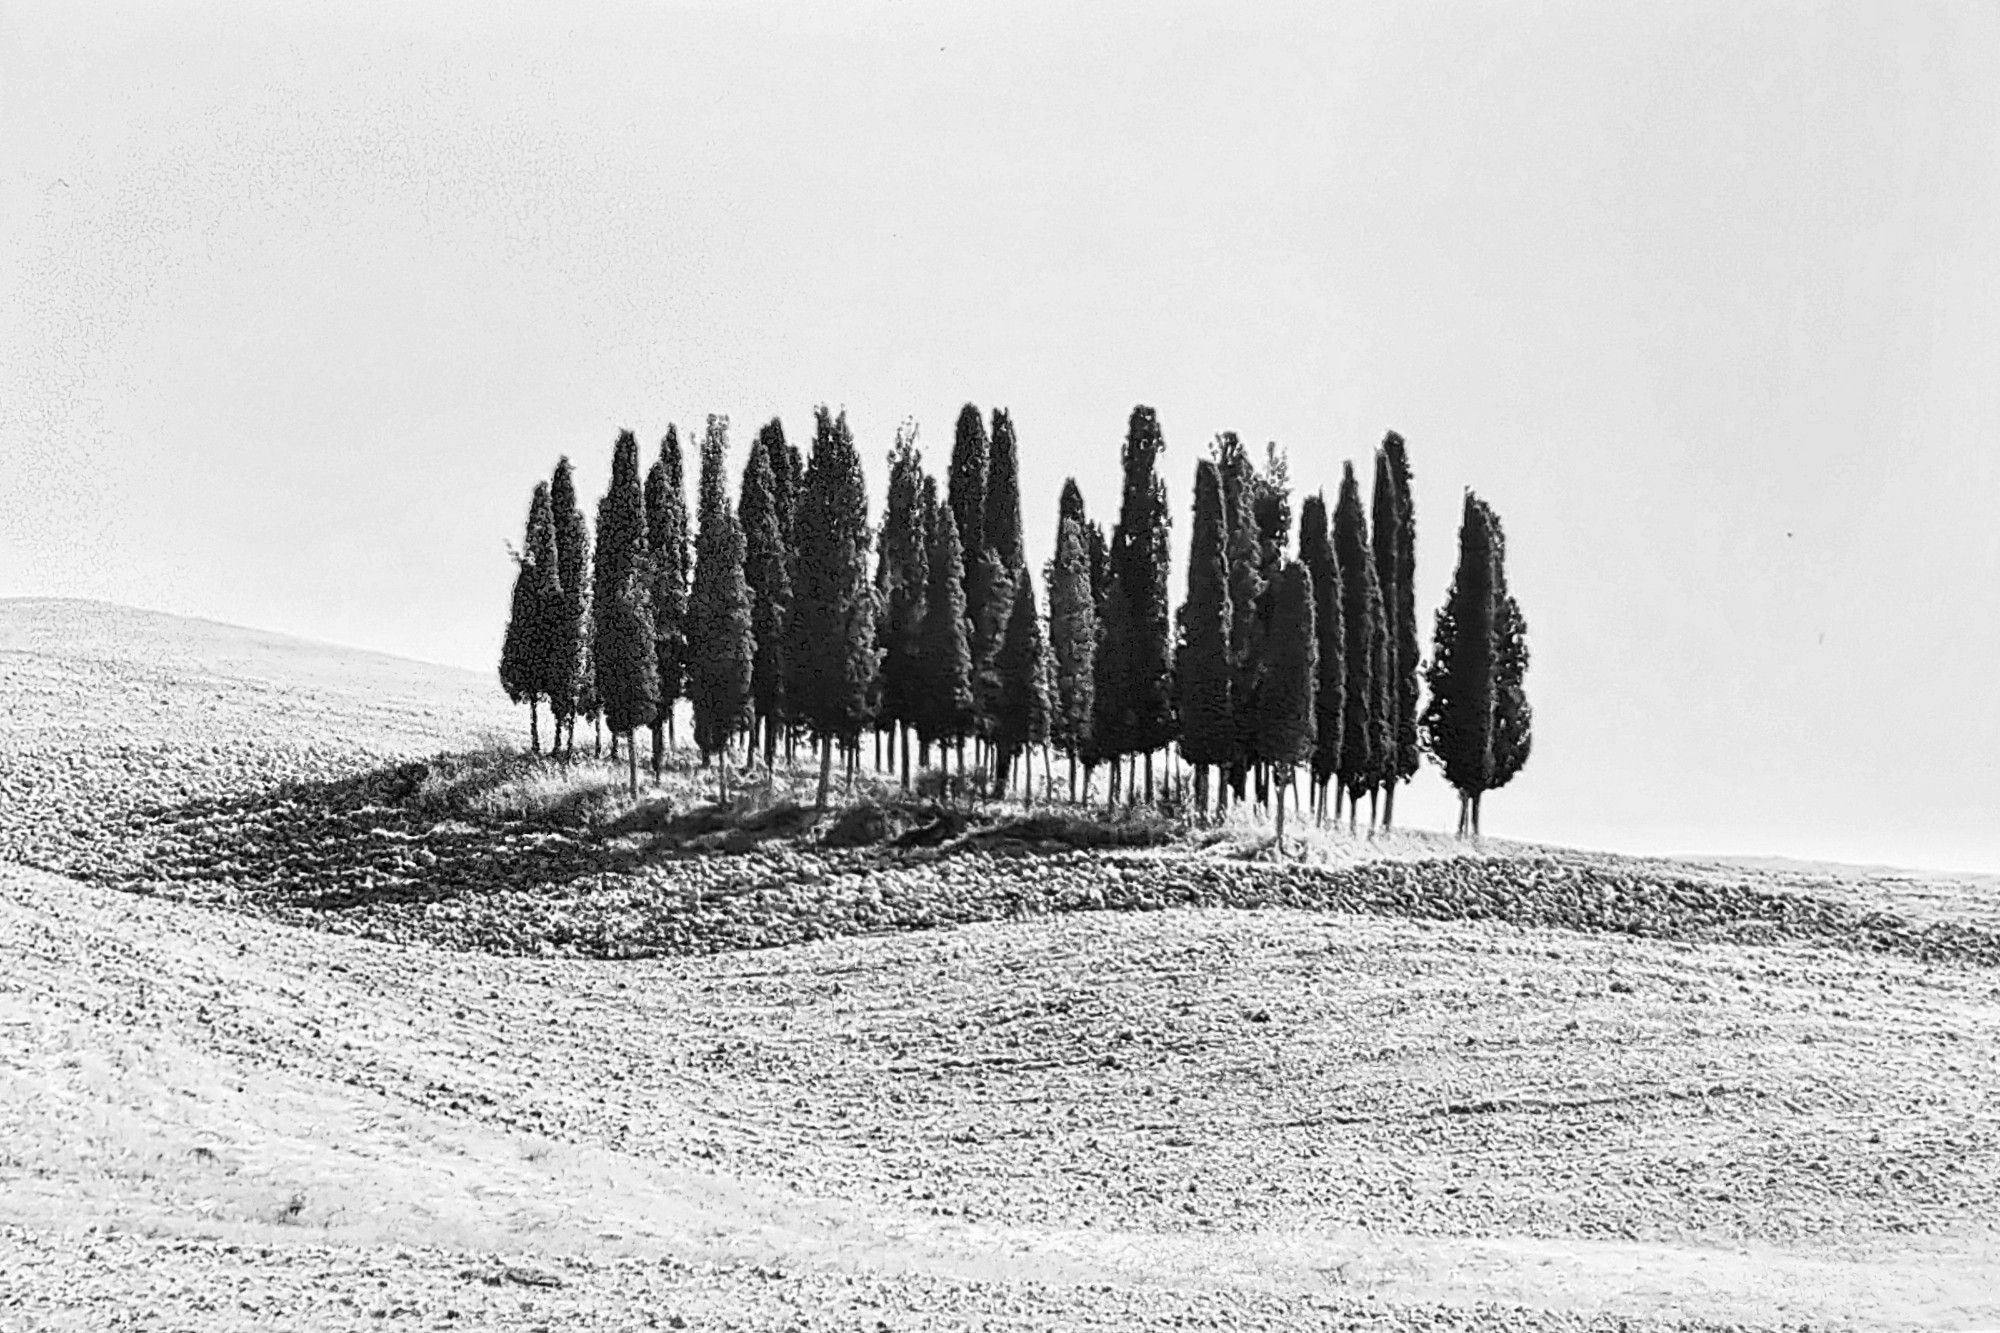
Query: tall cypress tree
[1097, 552]
[720, 629]
[1513, 719]
[786, 472]
[1248, 600]
[621, 553]
[571, 678]
[1139, 570]
[627, 664]
[767, 574]
[1457, 722]
[947, 715]
[1023, 714]
[1362, 744]
[1206, 674]
[528, 663]
[971, 459]
[1002, 520]
[1287, 719]
[1073, 641]
[672, 565]
[906, 573]
[1330, 695]
[1396, 567]
[991, 594]
[831, 651]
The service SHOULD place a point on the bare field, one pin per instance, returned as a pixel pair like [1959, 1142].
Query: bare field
[1200, 1116]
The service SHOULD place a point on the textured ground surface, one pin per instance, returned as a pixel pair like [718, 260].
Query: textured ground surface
[1718, 1094]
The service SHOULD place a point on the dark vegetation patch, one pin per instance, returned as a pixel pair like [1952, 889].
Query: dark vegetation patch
[508, 854]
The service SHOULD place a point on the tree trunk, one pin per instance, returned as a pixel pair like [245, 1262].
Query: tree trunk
[659, 749]
[1475, 812]
[534, 727]
[1372, 793]
[825, 771]
[632, 755]
[1281, 822]
[903, 732]
[1388, 805]
[672, 742]
[1149, 777]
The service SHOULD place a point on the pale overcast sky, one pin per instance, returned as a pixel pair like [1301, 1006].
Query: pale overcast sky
[298, 301]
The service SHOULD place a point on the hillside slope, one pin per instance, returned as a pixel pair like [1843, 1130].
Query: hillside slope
[1718, 1095]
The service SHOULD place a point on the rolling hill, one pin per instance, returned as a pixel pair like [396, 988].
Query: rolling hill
[280, 1039]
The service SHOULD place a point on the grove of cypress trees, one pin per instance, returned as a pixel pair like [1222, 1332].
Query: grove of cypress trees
[1396, 567]
[1362, 742]
[1206, 672]
[1023, 714]
[720, 633]
[947, 715]
[1457, 722]
[1330, 695]
[906, 572]
[571, 678]
[1073, 640]
[528, 655]
[621, 551]
[1287, 719]
[672, 565]
[831, 653]
[767, 575]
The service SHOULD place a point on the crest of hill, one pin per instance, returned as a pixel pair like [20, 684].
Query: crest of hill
[88, 668]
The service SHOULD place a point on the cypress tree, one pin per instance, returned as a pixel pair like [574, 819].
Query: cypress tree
[971, 459]
[1023, 713]
[947, 715]
[1206, 672]
[1513, 719]
[786, 472]
[720, 631]
[1069, 505]
[1396, 567]
[1271, 508]
[528, 653]
[1287, 717]
[627, 664]
[1073, 640]
[831, 653]
[572, 682]
[906, 574]
[621, 553]
[1457, 722]
[991, 593]
[1139, 572]
[1365, 648]
[672, 565]
[1248, 601]
[767, 575]
[1330, 695]
[1002, 518]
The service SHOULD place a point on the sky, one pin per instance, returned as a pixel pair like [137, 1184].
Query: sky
[298, 301]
